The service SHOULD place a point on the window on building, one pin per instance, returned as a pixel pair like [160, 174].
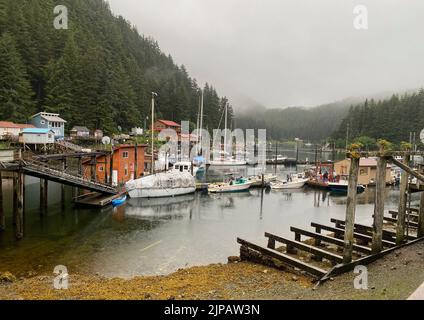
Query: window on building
[42, 122]
[101, 168]
[126, 171]
[363, 171]
[125, 155]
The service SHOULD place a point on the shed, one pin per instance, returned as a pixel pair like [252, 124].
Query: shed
[79, 131]
[37, 136]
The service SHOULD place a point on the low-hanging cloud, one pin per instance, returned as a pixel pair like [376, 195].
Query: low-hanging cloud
[288, 52]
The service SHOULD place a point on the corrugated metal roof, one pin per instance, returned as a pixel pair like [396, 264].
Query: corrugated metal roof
[8, 124]
[37, 130]
[52, 117]
[169, 123]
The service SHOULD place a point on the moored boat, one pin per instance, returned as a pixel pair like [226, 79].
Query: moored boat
[166, 184]
[237, 185]
[293, 183]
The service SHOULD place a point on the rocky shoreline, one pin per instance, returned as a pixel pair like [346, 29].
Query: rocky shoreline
[395, 276]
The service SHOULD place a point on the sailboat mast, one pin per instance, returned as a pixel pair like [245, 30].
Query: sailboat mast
[226, 123]
[153, 133]
[201, 119]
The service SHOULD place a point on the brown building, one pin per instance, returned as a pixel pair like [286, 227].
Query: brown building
[128, 162]
[367, 170]
[166, 124]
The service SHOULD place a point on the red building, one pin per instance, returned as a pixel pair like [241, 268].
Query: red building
[160, 125]
[126, 163]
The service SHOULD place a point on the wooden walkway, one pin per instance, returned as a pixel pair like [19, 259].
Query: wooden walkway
[42, 171]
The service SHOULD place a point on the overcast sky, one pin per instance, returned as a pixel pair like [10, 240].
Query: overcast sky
[288, 52]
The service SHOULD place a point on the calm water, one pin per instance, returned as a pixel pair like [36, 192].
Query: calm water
[145, 237]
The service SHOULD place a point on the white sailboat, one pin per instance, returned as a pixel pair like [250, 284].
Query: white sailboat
[227, 159]
[157, 185]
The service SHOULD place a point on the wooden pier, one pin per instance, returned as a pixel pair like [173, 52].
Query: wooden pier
[331, 249]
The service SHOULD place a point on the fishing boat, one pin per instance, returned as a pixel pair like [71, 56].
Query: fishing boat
[119, 201]
[295, 182]
[277, 160]
[257, 180]
[159, 185]
[225, 158]
[165, 184]
[237, 185]
[342, 185]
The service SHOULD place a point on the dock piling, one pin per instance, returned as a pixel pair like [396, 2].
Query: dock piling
[400, 229]
[350, 209]
[2, 216]
[19, 206]
[377, 235]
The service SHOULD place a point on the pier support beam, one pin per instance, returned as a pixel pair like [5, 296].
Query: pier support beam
[43, 194]
[350, 209]
[2, 216]
[400, 229]
[62, 190]
[377, 235]
[420, 232]
[19, 206]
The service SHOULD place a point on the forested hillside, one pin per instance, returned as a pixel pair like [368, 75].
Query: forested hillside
[313, 124]
[391, 119]
[99, 73]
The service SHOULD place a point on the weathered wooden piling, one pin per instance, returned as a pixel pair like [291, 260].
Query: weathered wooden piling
[400, 229]
[350, 209]
[2, 215]
[420, 231]
[377, 235]
[44, 184]
[94, 169]
[19, 214]
[62, 193]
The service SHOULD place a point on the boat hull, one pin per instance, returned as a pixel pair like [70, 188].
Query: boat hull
[229, 188]
[228, 163]
[160, 192]
[290, 185]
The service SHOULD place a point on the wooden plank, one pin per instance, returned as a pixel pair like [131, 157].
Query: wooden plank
[350, 209]
[329, 239]
[394, 220]
[356, 235]
[307, 248]
[394, 214]
[387, 234]
[292, 262]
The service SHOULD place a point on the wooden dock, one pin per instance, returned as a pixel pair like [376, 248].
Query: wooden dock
[95, 199]
[337, 248]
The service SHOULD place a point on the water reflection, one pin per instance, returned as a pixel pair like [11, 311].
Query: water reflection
[157, 236]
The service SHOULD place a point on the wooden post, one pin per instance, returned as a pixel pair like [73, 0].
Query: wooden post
[111, 168]
[2, 216]
[106, 169]
[19, 214]
[350, 209]
[15, 196]
[377, 235]
[62, 194]
[400, 229]
[44, 183]
[94, 169]
[420, 232]
[136, 161]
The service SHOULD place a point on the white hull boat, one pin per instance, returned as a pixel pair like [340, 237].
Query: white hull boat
[234, 186]
[257, 180]
[167, 184]
[295, 184]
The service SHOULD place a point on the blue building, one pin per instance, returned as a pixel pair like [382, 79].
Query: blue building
[50, 121]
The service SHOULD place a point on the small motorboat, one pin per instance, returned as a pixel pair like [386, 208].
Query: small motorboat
[237, 185]
[257, 180]
[294, 183]
[119, 201]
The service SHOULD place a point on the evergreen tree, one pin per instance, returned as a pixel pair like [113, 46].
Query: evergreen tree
[15, 90]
